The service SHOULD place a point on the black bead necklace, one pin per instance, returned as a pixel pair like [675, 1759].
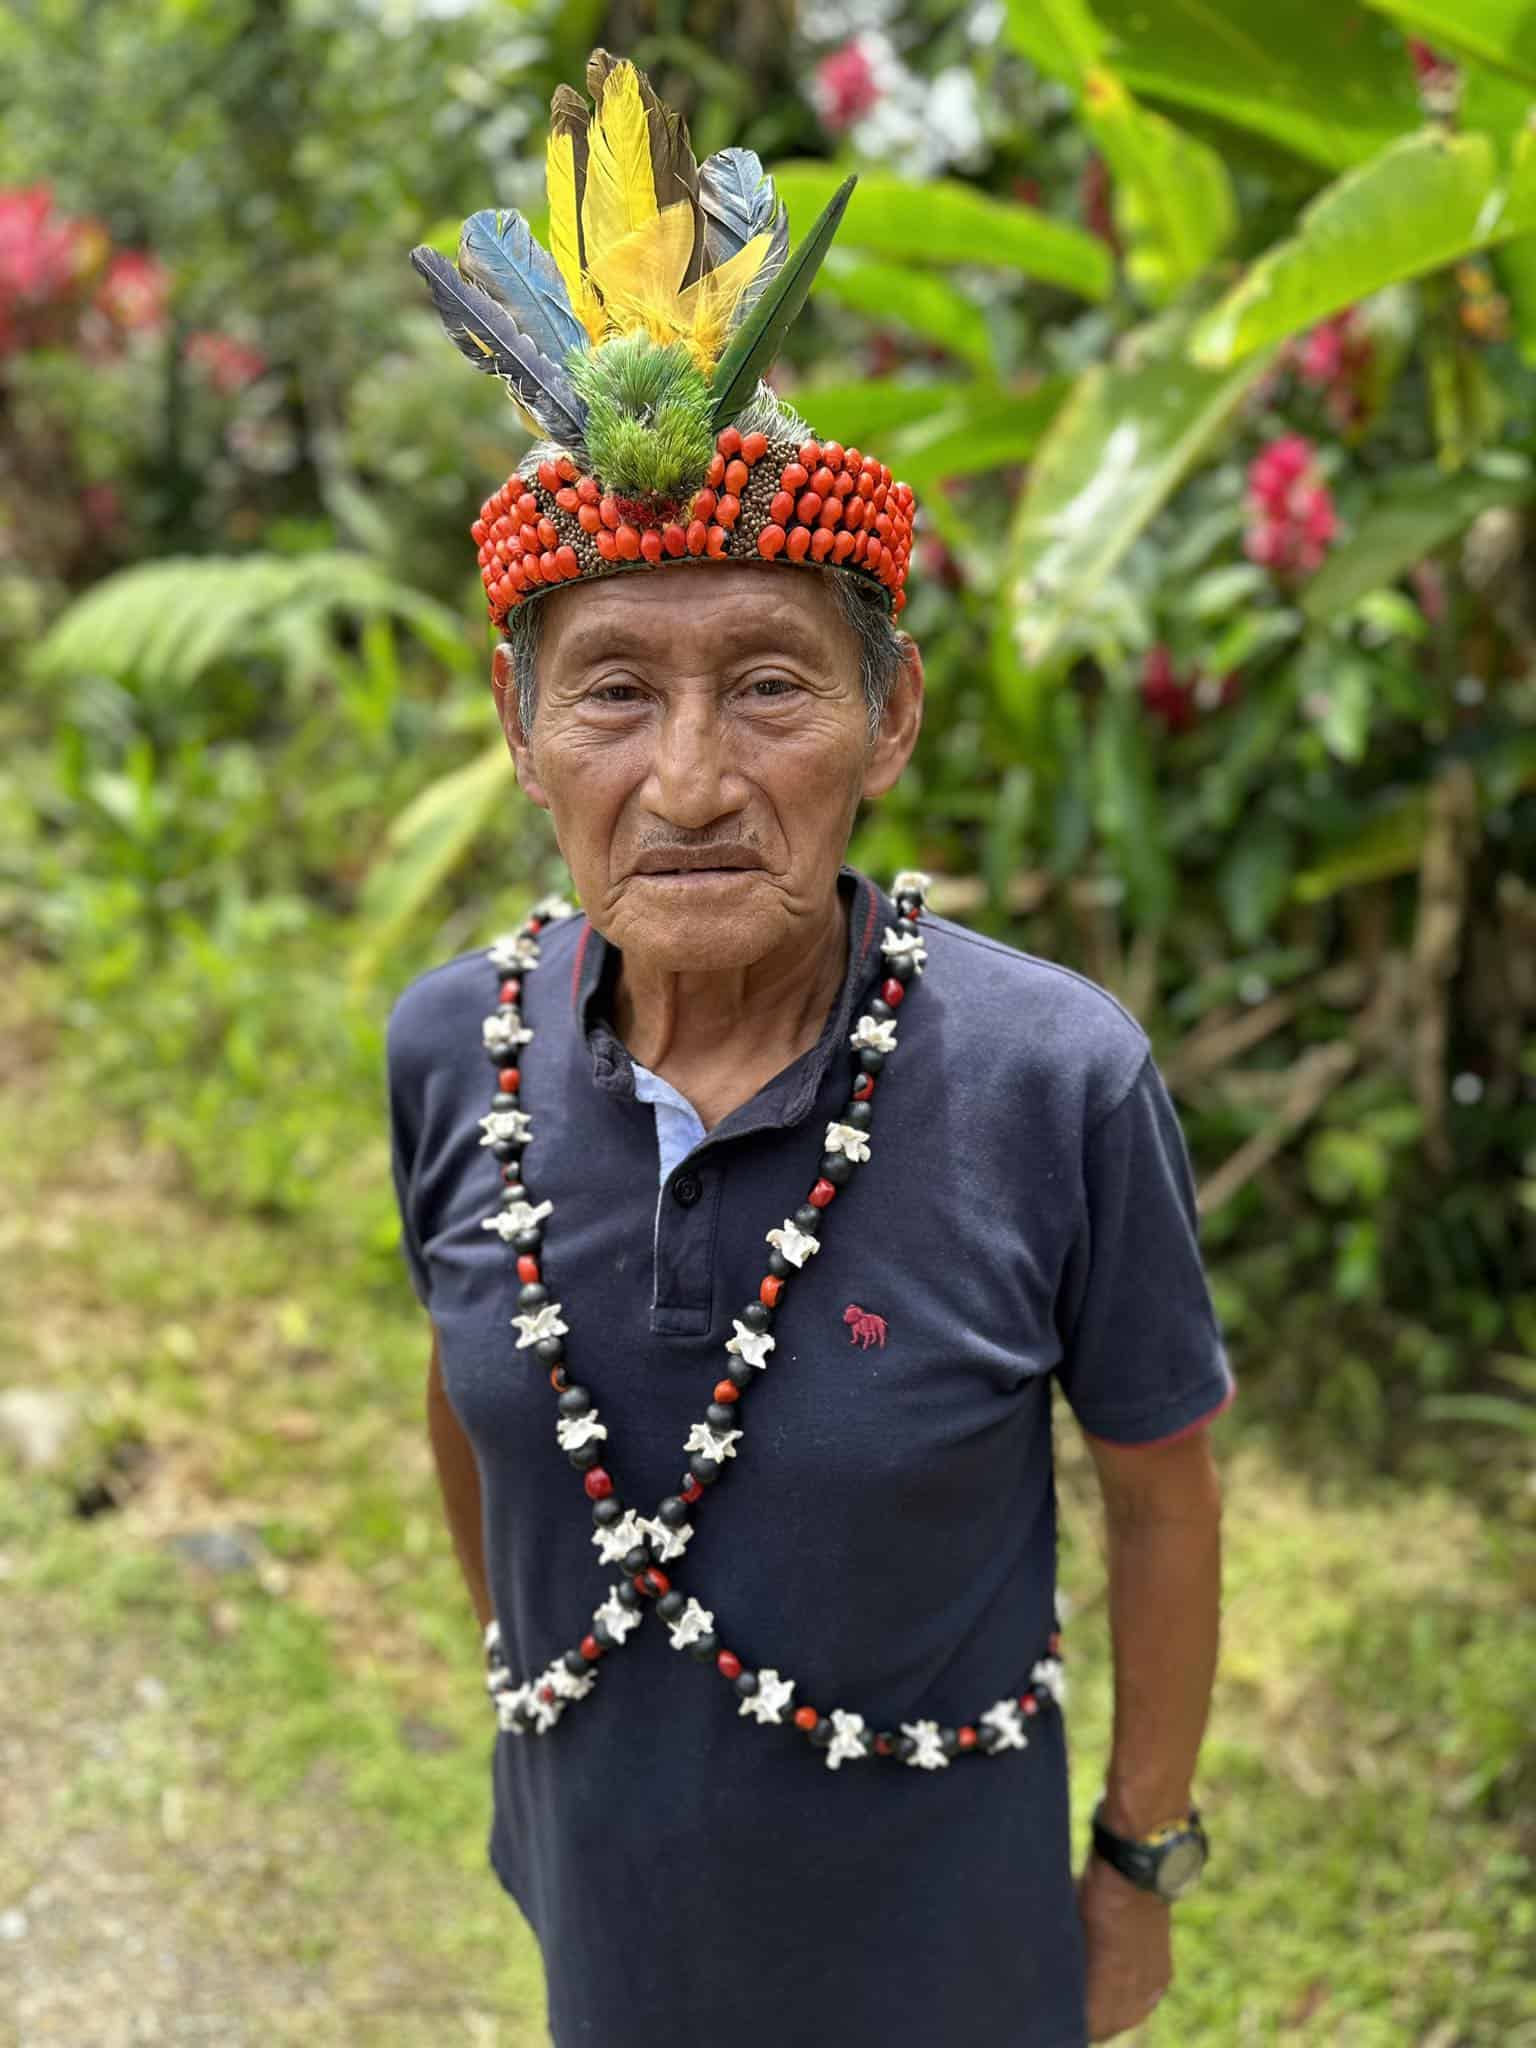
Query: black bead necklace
[642, 1545]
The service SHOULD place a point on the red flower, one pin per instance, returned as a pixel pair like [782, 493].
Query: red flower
[1427, 63]
[44, 258]
[1169, 698]
[1291, 517]
[229, 365]
[134, 291]
[845, 86]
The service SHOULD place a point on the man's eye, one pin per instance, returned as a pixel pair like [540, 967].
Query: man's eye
[772, 686]
[615, 693]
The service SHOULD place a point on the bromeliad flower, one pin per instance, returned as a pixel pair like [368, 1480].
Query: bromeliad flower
[929, 1753]
[872, 1034]
[752, 1345]
[1009, 1723]
[666, 1541]
[852, 1143]
[694, 1621]
[619, 1538]
[904, 946]
[847, 1744]
[539, 1324]
[793, 1243]
[516, 1218]
[504, 1034]
[773, 1695]
[572, 1431]
[513, 951]
[712, 1443]
[506, 1126]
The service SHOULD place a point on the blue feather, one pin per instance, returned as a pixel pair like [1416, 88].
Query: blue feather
[738, 202]
[497, 251]
[483, 330]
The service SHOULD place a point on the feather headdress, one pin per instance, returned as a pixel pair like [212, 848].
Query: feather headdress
[636, 346]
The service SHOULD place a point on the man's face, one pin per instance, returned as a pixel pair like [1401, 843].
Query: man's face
[701, 743]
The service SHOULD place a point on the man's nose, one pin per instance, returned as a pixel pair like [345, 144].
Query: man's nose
[692, 775]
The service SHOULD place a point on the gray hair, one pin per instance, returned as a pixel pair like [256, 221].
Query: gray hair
[864, 607]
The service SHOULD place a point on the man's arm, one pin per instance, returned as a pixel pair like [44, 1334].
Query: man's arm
[1162, 1505]
[459, 1477]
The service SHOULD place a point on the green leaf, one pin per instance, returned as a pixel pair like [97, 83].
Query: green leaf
[1389, 842]
[1313, 76]
[1126, 810]
[945, 222]
[1060, 37]
[1173, 198]
[1416, 512]
[1255, 880]
[752, 348]
[1500, 32]
[869, 411]
[915, 299]
[1119, 447]
[1428, 200]
[990, 430]
[426, 841]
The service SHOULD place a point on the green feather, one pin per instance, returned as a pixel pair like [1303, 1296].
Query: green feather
[758, 340]
[647, 424]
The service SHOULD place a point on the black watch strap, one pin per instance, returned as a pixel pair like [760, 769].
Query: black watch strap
[1142, 1862]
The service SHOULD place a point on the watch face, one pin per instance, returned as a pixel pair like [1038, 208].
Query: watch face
[1180, 1867]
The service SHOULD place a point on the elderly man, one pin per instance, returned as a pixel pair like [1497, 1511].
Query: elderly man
[755, 1211]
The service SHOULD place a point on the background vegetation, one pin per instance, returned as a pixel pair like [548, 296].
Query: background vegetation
[1206, 337]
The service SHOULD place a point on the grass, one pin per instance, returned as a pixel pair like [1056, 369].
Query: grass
[286, 1765]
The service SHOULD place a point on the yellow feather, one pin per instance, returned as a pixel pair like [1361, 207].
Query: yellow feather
[564, 239]
[705, 308]
[620, 194]
[639, 276]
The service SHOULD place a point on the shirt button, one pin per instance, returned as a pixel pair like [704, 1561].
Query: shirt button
[686, 1189]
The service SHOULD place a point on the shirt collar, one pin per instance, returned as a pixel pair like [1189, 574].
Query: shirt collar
[789, 1096]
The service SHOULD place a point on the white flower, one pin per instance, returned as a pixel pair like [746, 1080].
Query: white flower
[492, 1637]
[567, 1684]
[771, 1698]
[504, 1034]
[516, 1218]
[911, 882]
[552, 909]
[793, 1243]
[665, 1541]
[508, 1703]
[713, 1443]
[850, 1141]
[847, 1739]
[512, 951]
[513, 1125]
[616, 1618]
[929, 1754]
[904, 946]
[1051, 1673]
[693, 1622]
[872, 1035]
[1009, 1723]
[752, 1345]
[498, 1679]
[545, 1712]
[543, 1322]
[572, 1431]
[619, 1538]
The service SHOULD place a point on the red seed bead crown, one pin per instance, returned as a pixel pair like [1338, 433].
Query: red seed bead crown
[777, 500]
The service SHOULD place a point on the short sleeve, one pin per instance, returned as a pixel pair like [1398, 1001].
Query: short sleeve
[1143, 1357]
[404, 1133]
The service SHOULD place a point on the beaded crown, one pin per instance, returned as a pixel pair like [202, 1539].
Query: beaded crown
[636, 349]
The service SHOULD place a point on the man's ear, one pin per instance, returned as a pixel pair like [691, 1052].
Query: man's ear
[900, 725]
[504, 690]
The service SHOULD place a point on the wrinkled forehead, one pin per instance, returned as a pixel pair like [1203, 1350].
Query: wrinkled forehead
[695, 616]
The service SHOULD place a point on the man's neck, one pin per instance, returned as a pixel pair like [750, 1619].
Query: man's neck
[718, 1037]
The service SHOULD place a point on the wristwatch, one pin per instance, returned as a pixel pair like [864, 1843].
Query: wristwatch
[1169, 1861]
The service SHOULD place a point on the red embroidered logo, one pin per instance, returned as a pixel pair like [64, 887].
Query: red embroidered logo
[865, 1329]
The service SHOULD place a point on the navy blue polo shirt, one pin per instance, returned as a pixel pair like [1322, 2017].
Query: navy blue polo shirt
[886, 1533]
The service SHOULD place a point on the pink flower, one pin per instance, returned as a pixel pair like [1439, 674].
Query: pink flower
[1427, 62]
[1292, 520]
[846, 86]
[44, 257]
[134, 291]
[1169, 698]
[229, 365]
